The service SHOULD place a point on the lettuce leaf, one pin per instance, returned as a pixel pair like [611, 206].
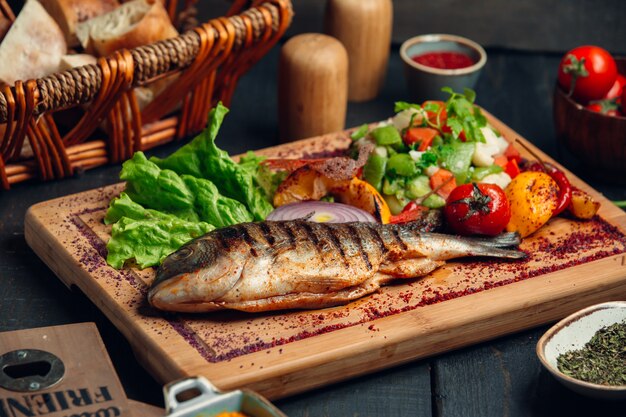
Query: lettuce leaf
[168, 202]
[150, 240]
[186, 197]
[264, 177]
[158, 189]
[123, 206]
[201, 158]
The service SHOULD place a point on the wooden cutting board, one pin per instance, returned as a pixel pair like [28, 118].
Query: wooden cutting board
[572, 265]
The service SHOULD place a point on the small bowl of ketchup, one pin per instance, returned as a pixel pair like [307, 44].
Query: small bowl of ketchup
[435, 61]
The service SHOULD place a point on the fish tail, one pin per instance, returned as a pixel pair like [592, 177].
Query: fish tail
[503, 240]
[480, 249]
[444, 247]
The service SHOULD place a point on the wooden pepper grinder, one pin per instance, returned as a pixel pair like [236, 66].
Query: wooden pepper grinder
[364, 27]
[312, 86]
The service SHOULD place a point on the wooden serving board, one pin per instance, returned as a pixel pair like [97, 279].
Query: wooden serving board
[571, 265]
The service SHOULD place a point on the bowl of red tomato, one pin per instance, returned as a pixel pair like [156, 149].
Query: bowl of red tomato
[590, 112]
[434, 61]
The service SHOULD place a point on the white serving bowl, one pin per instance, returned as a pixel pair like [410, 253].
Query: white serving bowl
[572, 333]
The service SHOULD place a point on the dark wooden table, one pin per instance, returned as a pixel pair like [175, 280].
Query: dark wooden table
[502, 377]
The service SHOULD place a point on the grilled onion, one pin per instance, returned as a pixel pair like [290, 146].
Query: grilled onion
[321, 212]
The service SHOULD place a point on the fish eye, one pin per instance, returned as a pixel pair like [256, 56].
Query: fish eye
[183, 253]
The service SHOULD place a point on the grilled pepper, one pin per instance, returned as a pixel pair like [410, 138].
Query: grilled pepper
[533, 197]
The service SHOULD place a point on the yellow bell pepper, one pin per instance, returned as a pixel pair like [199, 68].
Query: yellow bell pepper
[533, 196]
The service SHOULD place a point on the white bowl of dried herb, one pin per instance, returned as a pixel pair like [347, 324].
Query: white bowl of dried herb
[587, 351]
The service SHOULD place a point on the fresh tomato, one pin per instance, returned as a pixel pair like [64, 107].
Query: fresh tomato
[618, 87]
[443, 182]
[623, 100]
[511, 152]
[501, 160]
[420, 135]
[409, 213]
[608, 107]
[512, 168]
[481, 209]
[587, 72]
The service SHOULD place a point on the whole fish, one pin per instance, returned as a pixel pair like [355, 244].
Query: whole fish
[275, 265]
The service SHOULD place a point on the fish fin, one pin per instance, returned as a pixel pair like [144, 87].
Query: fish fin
[303, 300]
[410, 268]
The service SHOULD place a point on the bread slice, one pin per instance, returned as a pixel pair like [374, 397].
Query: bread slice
[76, 60]
[69, 13]
[33, 47]
[136, 23]
[5, 25]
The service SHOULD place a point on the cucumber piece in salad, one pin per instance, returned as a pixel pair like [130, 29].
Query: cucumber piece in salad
[420, 186]
[457, 158]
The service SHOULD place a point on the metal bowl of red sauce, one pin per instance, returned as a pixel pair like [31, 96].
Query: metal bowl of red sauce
[440, 60]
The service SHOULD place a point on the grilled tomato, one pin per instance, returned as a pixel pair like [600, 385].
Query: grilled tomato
[477, 209]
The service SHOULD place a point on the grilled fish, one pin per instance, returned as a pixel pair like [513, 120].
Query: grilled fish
[276, 265]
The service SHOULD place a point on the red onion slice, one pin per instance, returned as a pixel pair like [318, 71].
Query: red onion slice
[321, 212]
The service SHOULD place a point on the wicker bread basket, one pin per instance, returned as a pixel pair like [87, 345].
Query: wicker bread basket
[208, 61]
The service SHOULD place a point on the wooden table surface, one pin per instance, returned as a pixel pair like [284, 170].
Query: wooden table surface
[502, 377]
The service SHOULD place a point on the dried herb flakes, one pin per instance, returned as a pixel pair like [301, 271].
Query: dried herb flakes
[602, 360]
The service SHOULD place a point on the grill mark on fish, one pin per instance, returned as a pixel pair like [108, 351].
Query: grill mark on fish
[373, 231]
[357, 238]
[252, 243]
[287, 230]
[267, 233]
[222, 241]
[310, 233]
[334, 240]
[398, 238]
[257, 233]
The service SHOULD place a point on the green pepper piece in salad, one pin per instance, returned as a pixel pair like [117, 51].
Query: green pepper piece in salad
[360, 133]
[402, 164]
[387, 136]
[374, 170]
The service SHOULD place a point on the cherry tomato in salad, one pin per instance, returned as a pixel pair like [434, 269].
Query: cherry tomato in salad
[411, 212]
[477, 208]
[587, 72]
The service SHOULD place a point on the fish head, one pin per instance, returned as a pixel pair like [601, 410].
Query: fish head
[196, 274]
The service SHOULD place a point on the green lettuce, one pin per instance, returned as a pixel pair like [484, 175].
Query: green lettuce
[168, 202]
[201, 158]
[123, 206]
[149, 241]
[266, 179]
[146, 235]
[185, 196]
